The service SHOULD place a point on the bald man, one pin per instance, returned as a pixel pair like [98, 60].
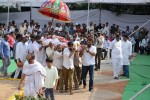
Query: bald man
[34, 74]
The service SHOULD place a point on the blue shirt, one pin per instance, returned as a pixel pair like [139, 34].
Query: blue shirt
[5, 49]
[71, 31]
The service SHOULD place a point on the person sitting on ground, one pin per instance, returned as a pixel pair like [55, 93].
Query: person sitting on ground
[143, 45]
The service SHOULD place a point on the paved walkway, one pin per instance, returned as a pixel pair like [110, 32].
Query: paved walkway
[105, 87]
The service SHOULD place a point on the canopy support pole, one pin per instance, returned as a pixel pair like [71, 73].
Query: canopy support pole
[30, 11]
[8, 14]
[139, 28]
[52, 20]
[88, 15]
[100, 14]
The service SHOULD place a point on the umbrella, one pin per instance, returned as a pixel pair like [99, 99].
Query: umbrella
[56, 9]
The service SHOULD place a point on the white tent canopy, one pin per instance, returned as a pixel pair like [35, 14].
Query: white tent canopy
[85, 1]
[109, 1]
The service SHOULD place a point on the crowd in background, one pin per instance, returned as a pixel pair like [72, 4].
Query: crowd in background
[74, 49]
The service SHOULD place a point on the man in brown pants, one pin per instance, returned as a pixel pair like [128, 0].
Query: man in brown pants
[68, 69]
[58, 63]
[99, 45]
[77, 71]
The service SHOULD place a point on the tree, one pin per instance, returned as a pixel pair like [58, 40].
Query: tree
[5, 9]
[118, 8]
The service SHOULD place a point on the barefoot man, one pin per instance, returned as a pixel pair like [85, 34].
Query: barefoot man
[33, 73]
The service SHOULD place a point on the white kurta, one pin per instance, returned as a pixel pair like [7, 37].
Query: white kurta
[34, 78]
[88, 59]
[58, 60]
[21, 51]
[116, 47]
[68, 61]
[117, 61]
[30, 47]
[50, 52]
[40, 55]
[126, 52]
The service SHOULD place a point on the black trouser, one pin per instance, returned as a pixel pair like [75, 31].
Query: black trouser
[19, 76]
[147, 50]
[136, 48]
[142, 50]
[98, 58]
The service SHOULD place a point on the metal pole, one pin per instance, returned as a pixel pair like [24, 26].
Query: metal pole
[141, 91]
[88, 15]
[30, 11]
[140, 27]
[100, 14]
[8, 14]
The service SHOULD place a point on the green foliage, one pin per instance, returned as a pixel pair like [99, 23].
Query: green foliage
[117, 8]
[5, 9]
[19, 97]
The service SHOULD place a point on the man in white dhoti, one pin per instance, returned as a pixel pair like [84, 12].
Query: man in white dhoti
[39, 51]
[116, 53]
[127, 53]
[34, 74]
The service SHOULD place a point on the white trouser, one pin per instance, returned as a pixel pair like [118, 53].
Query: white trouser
[117, 65]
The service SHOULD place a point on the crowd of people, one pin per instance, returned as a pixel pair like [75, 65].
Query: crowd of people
[55, 56]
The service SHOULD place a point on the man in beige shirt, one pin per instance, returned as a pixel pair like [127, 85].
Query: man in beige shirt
[99, 45]
[22, 28]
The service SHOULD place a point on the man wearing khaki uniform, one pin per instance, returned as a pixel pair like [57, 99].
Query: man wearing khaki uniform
[68, 69]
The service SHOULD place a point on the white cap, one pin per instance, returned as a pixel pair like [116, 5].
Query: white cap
[77, 24]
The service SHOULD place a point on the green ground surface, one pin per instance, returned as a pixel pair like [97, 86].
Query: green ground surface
[139, 78]
[12, 66]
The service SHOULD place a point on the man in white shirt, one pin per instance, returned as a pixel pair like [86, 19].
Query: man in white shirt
[78, 68]
[50, 51]
[50, 27]
[20, 54]
[143, 45]
[30, 44]
[106, 47]
[58, 63]
[132, 40]
[99, 45]
[106, 30]
[91, 28]
[30, 28]
[33, 74]
[127, 53]
[51, 80]
[22, 28]
[88, 62]
[39, 50]
[21, 50]
[116, 54]
[58, 28]
[68, 69]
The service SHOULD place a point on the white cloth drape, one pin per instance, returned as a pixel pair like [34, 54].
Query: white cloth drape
[34, 78]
